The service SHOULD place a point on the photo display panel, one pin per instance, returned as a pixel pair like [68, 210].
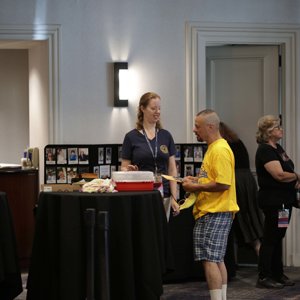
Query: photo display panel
[64, 162]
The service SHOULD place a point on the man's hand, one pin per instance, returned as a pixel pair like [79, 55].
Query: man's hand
[190, 184]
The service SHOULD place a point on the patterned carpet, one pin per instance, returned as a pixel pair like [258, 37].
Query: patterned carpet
[239, 288]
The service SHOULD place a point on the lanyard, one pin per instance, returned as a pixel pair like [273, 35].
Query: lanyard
[154, 154]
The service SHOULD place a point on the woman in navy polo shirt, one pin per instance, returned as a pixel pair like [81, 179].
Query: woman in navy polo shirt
[149, 147]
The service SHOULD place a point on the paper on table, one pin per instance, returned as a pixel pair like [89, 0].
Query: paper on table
[9, 166]
[172, 178]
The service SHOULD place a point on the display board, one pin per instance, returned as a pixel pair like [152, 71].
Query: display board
[63, 162]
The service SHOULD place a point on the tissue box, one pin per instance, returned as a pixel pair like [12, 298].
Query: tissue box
[133, 180]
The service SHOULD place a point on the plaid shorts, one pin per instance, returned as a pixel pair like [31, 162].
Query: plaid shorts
[210, 236]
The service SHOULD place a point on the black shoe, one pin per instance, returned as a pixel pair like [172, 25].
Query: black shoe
[285, 281]
[268, 283]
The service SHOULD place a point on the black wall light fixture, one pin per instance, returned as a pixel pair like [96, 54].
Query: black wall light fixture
[120, 84]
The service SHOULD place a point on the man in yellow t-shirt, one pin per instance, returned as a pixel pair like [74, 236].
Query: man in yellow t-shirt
[216, 203]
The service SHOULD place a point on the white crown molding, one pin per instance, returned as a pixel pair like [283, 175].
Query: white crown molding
[52, 34]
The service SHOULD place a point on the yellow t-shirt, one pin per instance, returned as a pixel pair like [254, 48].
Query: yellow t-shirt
[217, 166]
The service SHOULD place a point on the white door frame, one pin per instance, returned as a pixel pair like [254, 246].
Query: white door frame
[199, 35]
[50, 33]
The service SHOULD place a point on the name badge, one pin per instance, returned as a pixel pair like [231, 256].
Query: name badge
[283, 218]
[158, 184]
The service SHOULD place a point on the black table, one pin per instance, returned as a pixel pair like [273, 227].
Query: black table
[139, 246]
[10, 276]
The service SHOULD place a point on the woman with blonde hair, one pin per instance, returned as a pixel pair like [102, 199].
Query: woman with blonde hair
[277, 182]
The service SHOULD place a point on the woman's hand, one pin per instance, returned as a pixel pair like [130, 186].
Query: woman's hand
[132, 168]
[126, 165]
[175, 207]
[129, 168]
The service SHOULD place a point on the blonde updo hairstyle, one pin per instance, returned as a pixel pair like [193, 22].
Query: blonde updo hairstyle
[264, 127]
[144, 102]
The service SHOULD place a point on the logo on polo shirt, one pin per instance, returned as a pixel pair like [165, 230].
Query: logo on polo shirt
[164, 149]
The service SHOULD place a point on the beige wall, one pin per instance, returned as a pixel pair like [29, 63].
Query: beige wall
[14, 109]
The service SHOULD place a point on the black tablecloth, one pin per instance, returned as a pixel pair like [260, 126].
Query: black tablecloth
[139, 246]
[181, 233]
[10, 276]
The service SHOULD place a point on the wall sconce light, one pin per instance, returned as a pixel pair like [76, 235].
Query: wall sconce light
[121, 84]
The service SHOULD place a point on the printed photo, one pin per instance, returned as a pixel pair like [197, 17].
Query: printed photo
[188, 153]
[96, 170]
[108, 155]
[100, 155]
[188, 170]
[72, 156]
[50, 157]
[83, 156]
[198, 154]
[71, 173]
[61, 156]
[104, 171]
[61, 175]
[50, 174]
[177, 152]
